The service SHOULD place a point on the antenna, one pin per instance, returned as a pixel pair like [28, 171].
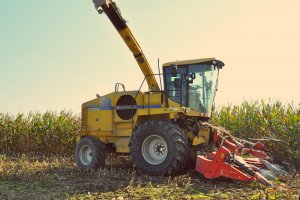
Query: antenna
[159, 73]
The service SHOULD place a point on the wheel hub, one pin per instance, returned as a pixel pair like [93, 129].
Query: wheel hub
[159, 149]
[154, 149]
[85, 154]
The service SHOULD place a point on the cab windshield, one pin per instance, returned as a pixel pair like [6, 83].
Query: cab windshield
[193, 86]
[202, 88]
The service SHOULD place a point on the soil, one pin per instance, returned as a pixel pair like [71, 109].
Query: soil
[59, 178]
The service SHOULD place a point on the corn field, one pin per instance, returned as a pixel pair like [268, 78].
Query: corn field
[270, 120]
[38, 134]
[53, 133]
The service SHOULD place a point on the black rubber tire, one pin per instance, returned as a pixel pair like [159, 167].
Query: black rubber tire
[99, 153]
[177, 144]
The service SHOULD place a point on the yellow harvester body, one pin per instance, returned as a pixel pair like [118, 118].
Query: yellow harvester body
[101, 116]
[157, 128]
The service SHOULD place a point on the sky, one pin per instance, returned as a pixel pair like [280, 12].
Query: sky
[59, 55]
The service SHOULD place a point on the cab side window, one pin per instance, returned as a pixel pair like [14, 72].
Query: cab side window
[176, 86]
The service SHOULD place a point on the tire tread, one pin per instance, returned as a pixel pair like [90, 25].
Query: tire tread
[176, 137]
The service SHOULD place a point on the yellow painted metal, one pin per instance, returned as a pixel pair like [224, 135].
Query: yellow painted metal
[124, 125]
[100, 116]
[123, 128]
[198, 140]
[152, 98]
[141, 59]
[122, 144]
[100, 120]
[114, 15]
[202, 137]
[105, 124]
[205, 133]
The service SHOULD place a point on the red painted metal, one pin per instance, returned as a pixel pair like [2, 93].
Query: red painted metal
[230, 146]
[259, 154]
[259, 146]
[215, 137]
[256, 153]
[254, 161]
[226, 162]
[218, 167]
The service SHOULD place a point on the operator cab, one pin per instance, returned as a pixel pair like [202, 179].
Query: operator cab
[193, 83]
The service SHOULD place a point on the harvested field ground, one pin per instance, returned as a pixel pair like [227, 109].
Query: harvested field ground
[59, 178]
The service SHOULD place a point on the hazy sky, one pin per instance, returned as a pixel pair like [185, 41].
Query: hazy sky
[58, 54]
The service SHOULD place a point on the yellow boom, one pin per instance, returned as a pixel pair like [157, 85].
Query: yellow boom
[111, 10]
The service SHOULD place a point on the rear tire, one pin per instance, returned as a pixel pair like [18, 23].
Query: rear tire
[90, 153]
[159, 148]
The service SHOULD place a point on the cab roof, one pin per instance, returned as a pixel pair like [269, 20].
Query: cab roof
[189, 62]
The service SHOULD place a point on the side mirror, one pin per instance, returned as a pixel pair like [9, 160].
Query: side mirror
[191, 77]
[173, 70]
[219, 64]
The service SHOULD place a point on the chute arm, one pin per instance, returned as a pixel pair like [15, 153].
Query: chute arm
[111, 10]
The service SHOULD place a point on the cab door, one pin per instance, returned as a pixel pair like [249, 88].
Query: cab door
[176, 85]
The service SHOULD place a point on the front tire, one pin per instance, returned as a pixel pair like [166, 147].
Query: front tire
[159, 148]
[90, 153]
